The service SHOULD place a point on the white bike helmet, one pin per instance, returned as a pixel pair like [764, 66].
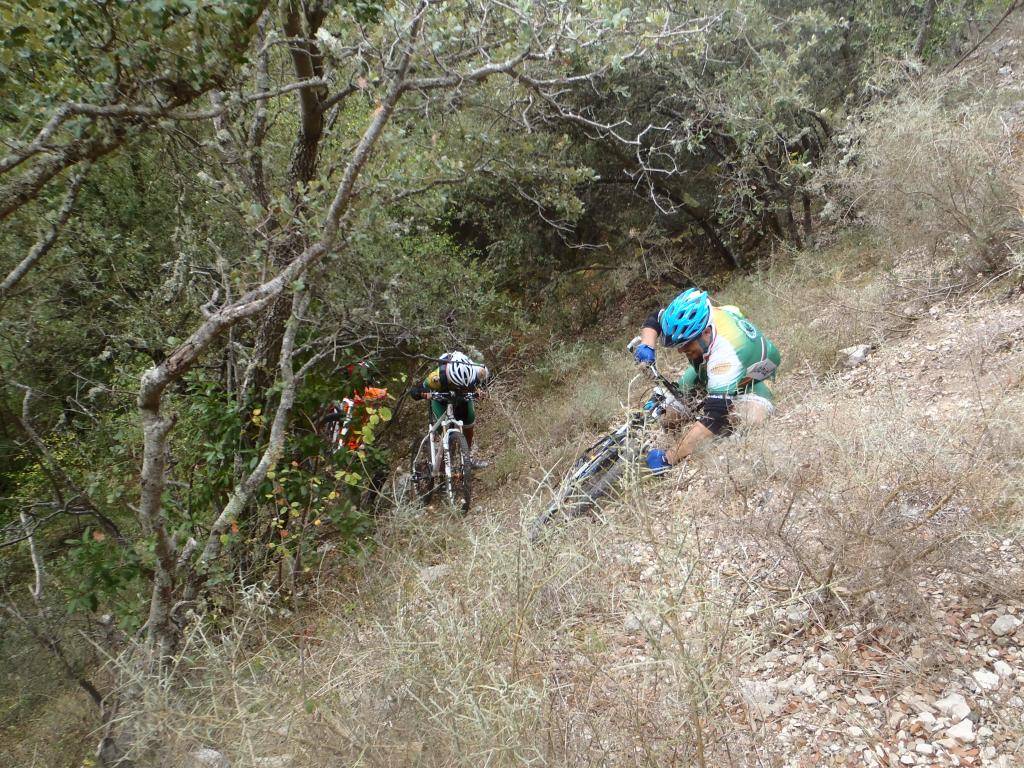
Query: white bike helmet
[459, 369]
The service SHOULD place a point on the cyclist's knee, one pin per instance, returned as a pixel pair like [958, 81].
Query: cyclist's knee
[750, 411]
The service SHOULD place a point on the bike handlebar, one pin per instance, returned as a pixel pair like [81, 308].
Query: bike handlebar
[652, 370]
[450, 397]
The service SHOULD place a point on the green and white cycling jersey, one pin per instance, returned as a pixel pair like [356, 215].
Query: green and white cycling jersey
[740, 359]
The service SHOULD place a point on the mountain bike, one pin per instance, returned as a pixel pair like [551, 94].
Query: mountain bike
[596, 471]
[335, 426]
[441, 456]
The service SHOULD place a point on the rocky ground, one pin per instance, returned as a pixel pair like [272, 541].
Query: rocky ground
[943, 689]
[827, 697]
[679, 629]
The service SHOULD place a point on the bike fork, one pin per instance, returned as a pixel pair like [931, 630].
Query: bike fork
[447, 459]
[435, 457]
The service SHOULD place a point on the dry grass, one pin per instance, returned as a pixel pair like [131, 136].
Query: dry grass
[541, 428]
[45, 718]
[939, 167]
[817, 302]
[858, 509]
[628, 641]
[619, 643]
[494, 656]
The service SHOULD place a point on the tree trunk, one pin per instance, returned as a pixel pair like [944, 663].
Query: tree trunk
[270, 331]
[244, 490]
[302, 169]
[808, 223]
[717, 243]
[925, 30]
[794, 231]
[162, 633]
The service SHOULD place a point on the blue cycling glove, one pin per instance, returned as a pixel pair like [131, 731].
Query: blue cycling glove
[644, 354]
[656, 461]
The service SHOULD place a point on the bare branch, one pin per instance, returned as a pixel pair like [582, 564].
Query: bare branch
[37, 562]
[258, 127]
[28, 185]
[59, 477]
[244, 491]
[473, 76]
[169, 112]
[50, 641]
[38, 144]
[46, 241]
[154, 382]
[340, 96]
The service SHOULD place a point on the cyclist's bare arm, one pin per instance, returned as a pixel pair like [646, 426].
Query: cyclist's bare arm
[694, 436]
[696, 433]
[648, 336]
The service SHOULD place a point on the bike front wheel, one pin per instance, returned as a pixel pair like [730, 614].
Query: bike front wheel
[459, 472]
[593, 477]
[421, 473]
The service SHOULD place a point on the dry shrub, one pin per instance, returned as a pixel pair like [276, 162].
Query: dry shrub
[620, 642]
[459, 646]
[544, 427]
[623, 641]
[595, 394]
[870, 497]
[938, 166]
[818, 302]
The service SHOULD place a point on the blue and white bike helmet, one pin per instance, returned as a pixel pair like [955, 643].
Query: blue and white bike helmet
[686, 317]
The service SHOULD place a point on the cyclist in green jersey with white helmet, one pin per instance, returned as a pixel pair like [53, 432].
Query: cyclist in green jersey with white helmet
[730, 360]
[456, 374]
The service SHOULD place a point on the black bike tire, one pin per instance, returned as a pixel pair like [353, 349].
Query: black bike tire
[417, 492]
[457, 446]
[607, 471]
[600, 486]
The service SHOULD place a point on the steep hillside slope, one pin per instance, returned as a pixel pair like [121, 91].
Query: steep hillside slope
[840, 587]
[843, 587]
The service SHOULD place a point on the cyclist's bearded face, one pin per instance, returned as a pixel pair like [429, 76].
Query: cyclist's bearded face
[696, 349]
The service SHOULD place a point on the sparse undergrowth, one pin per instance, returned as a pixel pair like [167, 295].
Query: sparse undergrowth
[819, 583]
[642, 638]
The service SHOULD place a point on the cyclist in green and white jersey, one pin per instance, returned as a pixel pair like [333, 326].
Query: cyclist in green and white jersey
[731, 361]
[456, 374]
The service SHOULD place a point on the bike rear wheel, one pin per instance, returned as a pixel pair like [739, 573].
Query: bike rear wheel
[459, 474]
[421, 473]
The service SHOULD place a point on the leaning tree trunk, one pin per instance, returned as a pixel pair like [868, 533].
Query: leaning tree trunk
[925, 29]
[161, 631]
